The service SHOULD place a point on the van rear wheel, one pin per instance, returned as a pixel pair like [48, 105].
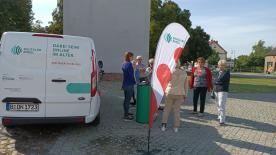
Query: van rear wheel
[97, 120]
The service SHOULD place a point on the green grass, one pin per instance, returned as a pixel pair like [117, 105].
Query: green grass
[252, 85]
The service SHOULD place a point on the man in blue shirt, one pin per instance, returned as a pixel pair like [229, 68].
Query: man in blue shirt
[128, 84]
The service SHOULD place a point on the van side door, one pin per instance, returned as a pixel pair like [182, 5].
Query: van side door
[68, 77]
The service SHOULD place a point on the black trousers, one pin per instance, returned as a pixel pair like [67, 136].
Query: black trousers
[200, 92]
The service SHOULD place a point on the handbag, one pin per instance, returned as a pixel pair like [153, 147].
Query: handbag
[213, 95]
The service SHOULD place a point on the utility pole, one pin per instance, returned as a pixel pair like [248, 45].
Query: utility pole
[233, 60]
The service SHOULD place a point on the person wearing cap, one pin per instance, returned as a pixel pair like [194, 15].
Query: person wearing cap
[140, 70]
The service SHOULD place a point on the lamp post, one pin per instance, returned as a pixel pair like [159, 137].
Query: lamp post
[233, 60]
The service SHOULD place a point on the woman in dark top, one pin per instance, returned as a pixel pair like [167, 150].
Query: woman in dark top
[200, 81]
[222, 80]
[128, 83]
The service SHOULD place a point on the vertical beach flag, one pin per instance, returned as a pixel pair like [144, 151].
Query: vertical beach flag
[170, 46]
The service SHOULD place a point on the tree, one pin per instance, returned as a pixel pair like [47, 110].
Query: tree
[242, 61]
[260, 50]
[257, 57]
[15, 15]
[56, 26]
[36, 27]
[167, 12]
[213, 58]
[163, 14]
[198, 45]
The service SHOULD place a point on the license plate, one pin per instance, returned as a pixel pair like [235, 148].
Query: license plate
[22, 107]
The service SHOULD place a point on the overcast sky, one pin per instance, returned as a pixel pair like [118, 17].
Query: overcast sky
[236, 24]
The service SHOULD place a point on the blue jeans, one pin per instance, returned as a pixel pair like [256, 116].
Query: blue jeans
[128, 91]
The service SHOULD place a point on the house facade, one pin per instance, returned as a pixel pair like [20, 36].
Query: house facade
[270, 62]
[219, 49]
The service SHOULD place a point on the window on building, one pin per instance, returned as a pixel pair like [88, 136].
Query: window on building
[269, 64]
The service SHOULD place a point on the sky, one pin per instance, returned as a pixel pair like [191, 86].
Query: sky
[43, 9]
[236, 24]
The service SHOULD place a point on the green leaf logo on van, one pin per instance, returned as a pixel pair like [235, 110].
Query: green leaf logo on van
[16, 50]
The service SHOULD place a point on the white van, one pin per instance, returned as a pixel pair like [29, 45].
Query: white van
[48, 79]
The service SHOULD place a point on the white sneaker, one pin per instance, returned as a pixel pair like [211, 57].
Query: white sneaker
[163, 128]
[175, 129]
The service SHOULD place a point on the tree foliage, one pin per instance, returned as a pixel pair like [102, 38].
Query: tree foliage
[257, 57]
[242, 61]
[56, 26]
[213, 58]
[254, 61]
[36, 27]
[198, 45]
[15, 15]
[164, 13]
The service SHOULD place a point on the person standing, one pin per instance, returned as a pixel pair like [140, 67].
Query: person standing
[135, 88]
[149, 70]
[200, 82]
[222, 81]
[140, 70]
[176, 91]
[128, 84]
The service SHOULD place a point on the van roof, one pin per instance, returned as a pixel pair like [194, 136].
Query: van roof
[45, 35]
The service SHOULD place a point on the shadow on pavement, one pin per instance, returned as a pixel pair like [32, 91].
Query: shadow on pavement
[33, 139]
[210, 134]
[191, 139]
[234, 121]
[265, 97]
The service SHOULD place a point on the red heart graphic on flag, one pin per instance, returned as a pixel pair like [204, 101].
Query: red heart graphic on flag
[163, 75]
[153, 107]
[177, 53]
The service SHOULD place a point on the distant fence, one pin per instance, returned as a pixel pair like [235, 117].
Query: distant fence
[248, 69]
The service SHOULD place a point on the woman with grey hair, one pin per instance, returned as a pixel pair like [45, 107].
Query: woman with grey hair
[149, 70]
[140, 70]
[222, 81]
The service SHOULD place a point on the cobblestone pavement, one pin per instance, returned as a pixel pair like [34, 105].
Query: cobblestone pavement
[250, 129]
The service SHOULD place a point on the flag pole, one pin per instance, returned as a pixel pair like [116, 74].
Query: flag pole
[149, 141]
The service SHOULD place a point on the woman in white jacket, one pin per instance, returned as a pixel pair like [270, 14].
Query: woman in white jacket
[176, 91]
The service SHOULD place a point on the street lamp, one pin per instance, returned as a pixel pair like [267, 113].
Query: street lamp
[233, 60]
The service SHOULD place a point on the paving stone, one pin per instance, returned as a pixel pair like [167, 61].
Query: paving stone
[250, 129]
